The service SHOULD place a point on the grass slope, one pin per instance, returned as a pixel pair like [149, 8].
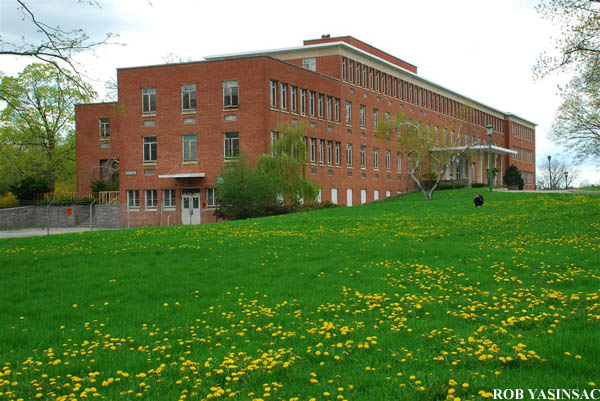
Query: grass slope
[397, 300]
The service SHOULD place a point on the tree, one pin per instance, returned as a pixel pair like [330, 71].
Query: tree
[579, 40]
[513, 177]
[247, 192]
[558, 168]
[288, 163]
[37, 135]
[56, 47]
[577, 123]
[430, 154]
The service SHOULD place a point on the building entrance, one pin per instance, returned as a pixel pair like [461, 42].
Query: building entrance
[190, 206]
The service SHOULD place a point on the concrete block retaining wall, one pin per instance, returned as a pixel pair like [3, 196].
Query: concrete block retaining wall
[104, 216]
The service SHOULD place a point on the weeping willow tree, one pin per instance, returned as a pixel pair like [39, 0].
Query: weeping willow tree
[287, 161]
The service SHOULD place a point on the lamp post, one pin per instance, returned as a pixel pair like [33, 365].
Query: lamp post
[566, 180]
[489, 134]
[550, 171]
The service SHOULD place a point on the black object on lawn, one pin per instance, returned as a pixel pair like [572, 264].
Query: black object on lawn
[478, 200]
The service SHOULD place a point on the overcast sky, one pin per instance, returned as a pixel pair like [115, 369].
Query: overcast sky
[484, 49]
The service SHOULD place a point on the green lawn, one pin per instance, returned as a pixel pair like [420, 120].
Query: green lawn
[399, 300]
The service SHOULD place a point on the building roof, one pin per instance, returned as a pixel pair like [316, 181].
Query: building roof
[354, 49]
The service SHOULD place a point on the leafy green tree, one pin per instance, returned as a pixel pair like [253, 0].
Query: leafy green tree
[247, 192]
[37, 134]
[288, 163]
[27, 188]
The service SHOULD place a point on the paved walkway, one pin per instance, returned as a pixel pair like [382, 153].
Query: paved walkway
[32, 232]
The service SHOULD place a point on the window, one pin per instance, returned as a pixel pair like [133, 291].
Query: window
[328, 108]
[376, 158]
[283, 89]
[189, 148]
[388, 159]
[309, 63]
[330, 152]
[169, 199]
[311, 100]
[188, 97]
[303, 101]
[363, 157]
[338, 156]
[149, 149]
[387, 119]
[313, 150]
[358, 74]
[232, 145]
[377, 81]
[274, 138]
[371, 78]
[399, 162]
[363, 112]
[351, 68]
[383, 87]
[343, 68]
[293, 99]
[104, 127]
[321, 105]
[133, 199]
[151, 199]
[349, 154]
[348, 112]
[212, 201]
[337, 110]
[273, 94]
[149, 100]
[364, 80]
[375, 118]
[230, 94]
[321, 151]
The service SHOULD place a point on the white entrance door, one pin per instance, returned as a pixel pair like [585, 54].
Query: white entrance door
[190, 206]
[376, 194]
[363, 196]
[334, 196]
[348, 197]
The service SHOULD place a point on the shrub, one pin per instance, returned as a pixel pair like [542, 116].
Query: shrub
[247, 192]
[513, 177]
[478, 185]
[430, 176]
[99, 186]
[26, 189]
[8, 200]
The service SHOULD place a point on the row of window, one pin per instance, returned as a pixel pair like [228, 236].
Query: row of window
[305, 102]
[378, 81]
[328, 152]
[522, 132]
[231, 147]
[168, 199]
[189, 97]
[524, 155]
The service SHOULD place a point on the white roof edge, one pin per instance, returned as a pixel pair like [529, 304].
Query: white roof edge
[183, 175]
[497, 149]
[366, 54]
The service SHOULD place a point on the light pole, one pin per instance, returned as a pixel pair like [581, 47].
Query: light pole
[489, 134]
[550, 171]
[566, 180]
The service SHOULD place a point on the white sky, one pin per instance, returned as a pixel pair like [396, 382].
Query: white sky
[484, 49]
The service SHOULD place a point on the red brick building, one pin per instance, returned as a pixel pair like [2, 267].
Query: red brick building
[175, 126]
